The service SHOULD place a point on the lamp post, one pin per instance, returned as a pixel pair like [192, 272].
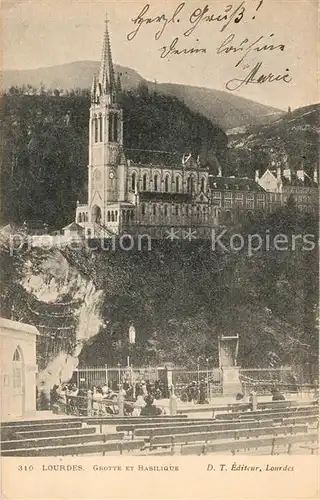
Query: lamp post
[208, 390]
[198, 369]
[119, 374]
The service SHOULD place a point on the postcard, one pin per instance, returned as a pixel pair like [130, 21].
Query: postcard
[159, 249]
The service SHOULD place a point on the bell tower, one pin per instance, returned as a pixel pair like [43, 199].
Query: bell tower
[105, 136]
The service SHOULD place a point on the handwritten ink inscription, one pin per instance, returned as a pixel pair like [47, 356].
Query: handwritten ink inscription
[255, 77]
[229, 45]
[188, 23]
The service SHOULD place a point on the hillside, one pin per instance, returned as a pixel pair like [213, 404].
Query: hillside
[222, 108]
[180, 297]
[45, 147]
[293, 139]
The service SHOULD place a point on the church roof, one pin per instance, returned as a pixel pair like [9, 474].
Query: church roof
[162, 159]
[74, 227]
[233, 184]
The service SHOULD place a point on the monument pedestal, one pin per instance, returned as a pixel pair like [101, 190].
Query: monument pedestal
[231, 384]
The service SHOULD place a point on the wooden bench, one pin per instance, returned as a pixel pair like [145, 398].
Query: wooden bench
[171, 440]
[215, 426]
[61, 440]
[265, 414]
[10, 432]
[17, 423]
[55, 432]
[133, 427]
[132, 420]
[234, 446]
[210, 408]
[238, 407]
[79, 449]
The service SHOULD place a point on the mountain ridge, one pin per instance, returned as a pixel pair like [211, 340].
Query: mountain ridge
[221, 107]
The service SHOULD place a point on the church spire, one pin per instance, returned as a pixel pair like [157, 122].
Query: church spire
[106, 80]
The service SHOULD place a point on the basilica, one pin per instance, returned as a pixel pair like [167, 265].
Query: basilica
[129, 197]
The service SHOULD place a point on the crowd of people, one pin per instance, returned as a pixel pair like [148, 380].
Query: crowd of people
[138, 399]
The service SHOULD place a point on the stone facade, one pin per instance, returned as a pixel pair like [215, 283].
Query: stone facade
[18, 369]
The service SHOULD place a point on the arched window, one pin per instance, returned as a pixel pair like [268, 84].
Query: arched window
[108, 216]
[143, 209]
[133, 182]
[154, 208]
[205, 213]
[17, 369]
[155, 183]
[110, 127]
[227, 216]
[86, 217]
[166, 210]
[202, 184]
[80, 218]
[190, 184]
[177, 184]
[95, 129]
[112, 216]
[166, 183]
[144, 182]
[177, 209]
[100, 128]
[116, 215]
[115, 128]
[187, 209]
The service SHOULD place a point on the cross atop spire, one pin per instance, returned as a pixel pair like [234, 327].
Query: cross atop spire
[106, 79]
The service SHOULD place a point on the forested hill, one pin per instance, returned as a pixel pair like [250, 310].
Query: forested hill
[45, 146]
[294, 137]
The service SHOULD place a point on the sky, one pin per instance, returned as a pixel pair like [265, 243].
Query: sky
[40, 33]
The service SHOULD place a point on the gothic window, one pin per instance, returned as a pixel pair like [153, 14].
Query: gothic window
[177, 209]
[112, 216]
[108, 217]
[116, 215]
[133, 182]
[155, 183]
[190, 184]
[154, 209]
[166, 210]
[115, 128]
[86, 218]
[144, 182]
[202, 184]
[187, 209]
[80, 218]
[132, 215]
[95, 129]
[166, 183]
[100, 128]
[177, 184]
[143, 209]
[110, 127]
